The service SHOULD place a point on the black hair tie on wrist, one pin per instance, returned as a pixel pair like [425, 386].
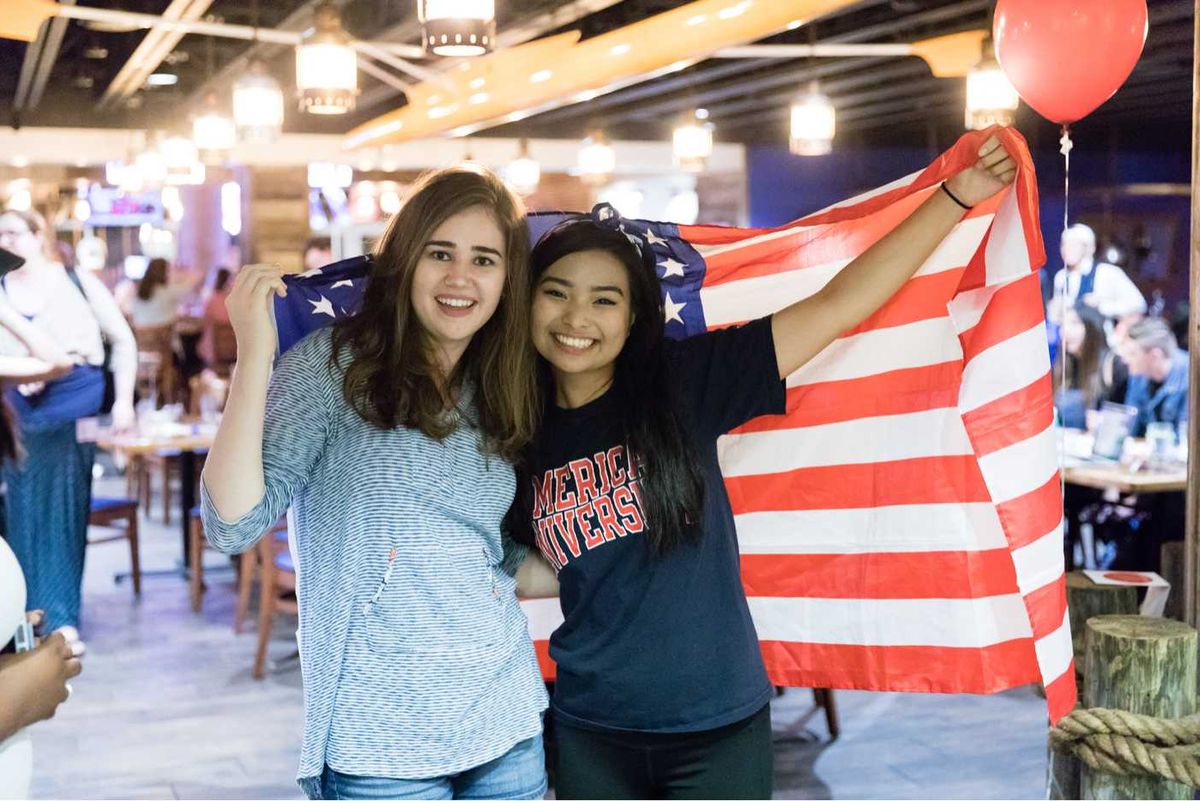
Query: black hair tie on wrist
[950, 195]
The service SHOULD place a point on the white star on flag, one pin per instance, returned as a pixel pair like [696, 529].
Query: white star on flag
[342, 283]
[654, 240]
[311, 273]
[672, 267]
[672, 309]
[323, 306]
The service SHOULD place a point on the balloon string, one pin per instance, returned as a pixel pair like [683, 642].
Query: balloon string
[1065, 145]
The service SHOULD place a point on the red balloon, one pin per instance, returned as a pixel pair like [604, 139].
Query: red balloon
[1066, 57]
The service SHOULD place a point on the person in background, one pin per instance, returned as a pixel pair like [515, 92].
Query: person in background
[156, 302]
[1158, 374]
[1105, 287]
[214, 317]
[318, 251]
[34, 683]
[48, 493]
[1091, 372]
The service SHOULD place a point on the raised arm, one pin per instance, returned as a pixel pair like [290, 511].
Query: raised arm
[233, 471]
[805, 328]
[124, 347]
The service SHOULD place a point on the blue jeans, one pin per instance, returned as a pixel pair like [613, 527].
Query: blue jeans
[519, 774]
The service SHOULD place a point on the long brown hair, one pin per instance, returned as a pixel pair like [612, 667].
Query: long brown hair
[392, 379]
[1084, 369]
[156, 276]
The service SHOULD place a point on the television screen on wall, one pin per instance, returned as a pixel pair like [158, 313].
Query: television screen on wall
[116, 208]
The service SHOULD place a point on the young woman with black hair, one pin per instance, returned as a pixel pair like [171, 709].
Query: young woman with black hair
[661, 689]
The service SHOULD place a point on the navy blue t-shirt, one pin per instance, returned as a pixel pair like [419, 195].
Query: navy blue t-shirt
[653, 643]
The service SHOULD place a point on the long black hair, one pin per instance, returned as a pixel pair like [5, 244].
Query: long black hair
[672, 484]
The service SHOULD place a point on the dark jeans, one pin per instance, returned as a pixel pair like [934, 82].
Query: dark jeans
[734, 761]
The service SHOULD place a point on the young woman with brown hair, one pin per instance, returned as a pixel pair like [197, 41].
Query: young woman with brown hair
[391, 436]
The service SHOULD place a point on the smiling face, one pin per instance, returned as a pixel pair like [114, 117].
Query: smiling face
[581, 315]
[458, 281]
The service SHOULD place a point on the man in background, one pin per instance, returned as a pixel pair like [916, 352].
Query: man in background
[1103, 286]
[1158, 374]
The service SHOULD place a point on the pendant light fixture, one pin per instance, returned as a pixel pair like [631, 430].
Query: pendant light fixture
[814, 123]
[326, 65]
[693, 143]
[213, 132]
[991, 98]
[523, 174]
[458, 27]
[258, 105]
[257, 99]
[597, 160]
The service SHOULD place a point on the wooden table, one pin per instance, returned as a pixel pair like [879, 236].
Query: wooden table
[184, 440]
[1122, 479]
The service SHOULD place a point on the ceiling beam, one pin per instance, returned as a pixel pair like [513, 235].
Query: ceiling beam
[522, 31]
[297, 22]
[844, 102]
[150, 52]
[40, 56]
[896, 26]
[863, 72]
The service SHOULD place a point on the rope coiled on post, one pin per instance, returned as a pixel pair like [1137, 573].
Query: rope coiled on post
[1129, 744]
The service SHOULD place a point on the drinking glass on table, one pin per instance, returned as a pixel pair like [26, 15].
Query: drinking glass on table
[1116, 421]
[1160, 437]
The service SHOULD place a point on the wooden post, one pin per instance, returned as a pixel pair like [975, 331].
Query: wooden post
[1087, 599]
[1191, 597]
[1171, 556]
[1144, 665]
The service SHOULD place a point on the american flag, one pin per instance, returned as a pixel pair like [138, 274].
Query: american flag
[901, 526]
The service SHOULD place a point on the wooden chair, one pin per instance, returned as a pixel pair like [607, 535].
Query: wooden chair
[247, 567]
[156, 359]
[224, 345]
[823, 701]
[277, 590]
[824, 698]
[120, 514]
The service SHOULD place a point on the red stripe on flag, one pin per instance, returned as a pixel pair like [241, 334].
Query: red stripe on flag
[803, 247]
[940, 574]
[1013, 418]
[1032, 515]
[1047, 607]
[548, 666]
[1021, 302]
[917, 389]
[935, 479]
[901, 668]
[922, 298]
[1061, 695]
